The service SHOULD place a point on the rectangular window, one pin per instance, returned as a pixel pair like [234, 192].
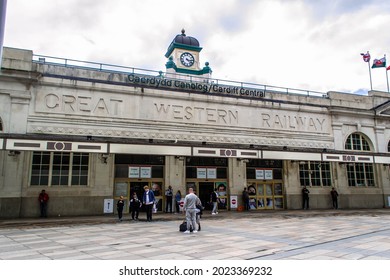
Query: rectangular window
[315, 174]
[59, 169]
[80, 169]
[360, 175]
[40, 168]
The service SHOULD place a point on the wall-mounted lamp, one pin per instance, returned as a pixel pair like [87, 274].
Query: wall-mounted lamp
[104, 157]
[13, 153]
[181, 158]
[243, 160]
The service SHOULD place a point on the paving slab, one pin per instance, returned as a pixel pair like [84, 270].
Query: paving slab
[289, 235]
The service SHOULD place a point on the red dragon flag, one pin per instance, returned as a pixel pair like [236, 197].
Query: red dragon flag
[366, 56]
[379, 63]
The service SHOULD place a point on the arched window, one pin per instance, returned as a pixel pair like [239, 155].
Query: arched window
[357, 142]
[359, 174]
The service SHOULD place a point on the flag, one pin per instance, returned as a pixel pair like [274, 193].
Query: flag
[388, 68]
[366, 56]
[379, 63]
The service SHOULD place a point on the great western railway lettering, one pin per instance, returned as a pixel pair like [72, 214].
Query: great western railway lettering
[198, 114]
[181, 111]
[225, 116]
[68, 103]
[290, 122]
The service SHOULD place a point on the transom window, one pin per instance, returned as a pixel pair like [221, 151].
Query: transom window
[359, 174]
[315, 174]
[59, 169]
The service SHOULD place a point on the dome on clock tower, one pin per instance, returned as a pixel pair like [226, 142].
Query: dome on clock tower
[185, 40]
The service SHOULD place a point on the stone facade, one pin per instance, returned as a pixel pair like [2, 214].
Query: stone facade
[53, 107]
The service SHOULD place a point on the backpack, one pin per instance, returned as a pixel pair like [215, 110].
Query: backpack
[183, 226]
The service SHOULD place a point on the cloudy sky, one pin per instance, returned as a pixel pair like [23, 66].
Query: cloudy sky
[304, 44]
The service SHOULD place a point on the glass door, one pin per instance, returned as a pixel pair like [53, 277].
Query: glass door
[266, 195]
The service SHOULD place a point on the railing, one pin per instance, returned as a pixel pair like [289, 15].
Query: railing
[50, 60]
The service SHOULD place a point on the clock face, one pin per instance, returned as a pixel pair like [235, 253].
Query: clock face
[187, 59]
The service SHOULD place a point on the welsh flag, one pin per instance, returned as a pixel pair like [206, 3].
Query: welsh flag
[379, 63]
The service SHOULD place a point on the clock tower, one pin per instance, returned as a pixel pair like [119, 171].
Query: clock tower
[183, 54]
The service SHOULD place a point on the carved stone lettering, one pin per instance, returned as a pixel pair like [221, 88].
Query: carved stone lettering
[72, 104]
[291, 122]
[197, 114]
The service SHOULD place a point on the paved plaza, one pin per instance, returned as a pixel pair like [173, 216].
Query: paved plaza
[287, 235]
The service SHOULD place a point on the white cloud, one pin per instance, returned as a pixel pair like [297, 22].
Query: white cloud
[314, 45]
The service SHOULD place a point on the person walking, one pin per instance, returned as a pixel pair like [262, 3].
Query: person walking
[199, 213]
[214, 201]
[178, 200]
[119, 207]
[43, 198]
[305, 198]
[169, 198]
[245, 198]
[148, 200]
[135, 205]
[334, 194]
[190, 202]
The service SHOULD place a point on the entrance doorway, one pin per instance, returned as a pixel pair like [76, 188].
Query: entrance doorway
[266, 195]
[205, 190]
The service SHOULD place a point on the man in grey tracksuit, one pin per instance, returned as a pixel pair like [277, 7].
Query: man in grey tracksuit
[190, 202]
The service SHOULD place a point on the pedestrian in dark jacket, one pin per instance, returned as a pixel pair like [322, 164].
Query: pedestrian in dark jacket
[148, 200]
[334, 194]
[119, 207]
[135, 205]
[43, 198]
[305, 198]
[245, 198]
[214, 201]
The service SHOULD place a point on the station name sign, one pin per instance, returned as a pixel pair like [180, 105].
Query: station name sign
[212, 88]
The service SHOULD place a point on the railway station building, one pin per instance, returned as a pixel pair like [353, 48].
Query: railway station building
[89, 133]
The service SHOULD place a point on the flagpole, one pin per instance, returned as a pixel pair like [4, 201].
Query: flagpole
[387, 78]
[367, 58]
[369, 71]
[3, 8]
